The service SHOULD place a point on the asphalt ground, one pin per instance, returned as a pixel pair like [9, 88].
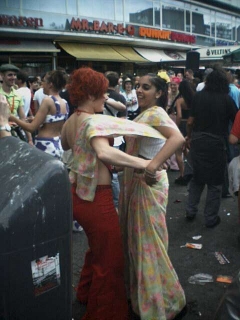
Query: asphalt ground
[202, 299]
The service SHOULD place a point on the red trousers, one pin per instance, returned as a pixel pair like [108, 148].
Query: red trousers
[101, 284]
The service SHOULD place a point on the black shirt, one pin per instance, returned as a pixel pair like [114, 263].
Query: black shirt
[117, 97]
[212, 112]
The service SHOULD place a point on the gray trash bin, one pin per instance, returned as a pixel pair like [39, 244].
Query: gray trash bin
[35, 234]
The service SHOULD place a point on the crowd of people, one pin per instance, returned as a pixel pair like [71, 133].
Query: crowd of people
[118, 137]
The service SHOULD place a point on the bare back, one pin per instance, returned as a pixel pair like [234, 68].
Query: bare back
[69, 133]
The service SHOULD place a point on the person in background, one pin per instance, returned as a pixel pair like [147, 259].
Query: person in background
[33, 86]
[1, 80]
[152, 283]
[234, 92]
[131, 98]
[173, 91]
[38, 96]
[180, 76]
[201, 85]
[136, 81]
[115, 104]
[89, 135]
[15, 101]
[233, 170]
[189, 75]
[24, 91]
[207, 128]
[172, 94]
[50, 117]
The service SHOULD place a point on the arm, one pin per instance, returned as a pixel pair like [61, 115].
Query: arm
[179, 111]
[21, 115]
[174, 141]
[232, 139]
[36, 106]
[37, 121]
[66, 145]
[113, 156]
[119, 106]
[235, 131]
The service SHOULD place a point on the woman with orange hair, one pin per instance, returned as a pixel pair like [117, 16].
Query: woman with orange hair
[101, 284]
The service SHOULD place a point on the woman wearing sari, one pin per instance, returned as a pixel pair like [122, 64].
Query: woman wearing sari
[153, 285]
[101, 286]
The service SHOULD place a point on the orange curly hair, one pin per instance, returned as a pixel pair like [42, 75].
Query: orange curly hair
[85, 82]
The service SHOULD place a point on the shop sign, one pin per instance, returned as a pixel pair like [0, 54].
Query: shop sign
[20, 21]
[96, 26]
[109, 28]
[216, 52]
[166, 35]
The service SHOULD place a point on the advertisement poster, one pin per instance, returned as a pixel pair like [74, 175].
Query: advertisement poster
[45, 274]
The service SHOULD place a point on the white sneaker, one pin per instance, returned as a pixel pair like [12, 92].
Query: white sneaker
[76, 227]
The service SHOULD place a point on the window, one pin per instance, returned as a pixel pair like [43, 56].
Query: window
[223, 26]
[104, 9]
[140, 12]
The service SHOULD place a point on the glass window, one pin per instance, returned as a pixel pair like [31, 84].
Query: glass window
[97, 9]
[12, 4]
[45, 5]
[201, 20]
[71, 7]
[140, 12]
[156, 14]
[223, 26]
[238, 29]
[173, 15]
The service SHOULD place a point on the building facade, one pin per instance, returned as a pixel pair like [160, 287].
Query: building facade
[125, 35]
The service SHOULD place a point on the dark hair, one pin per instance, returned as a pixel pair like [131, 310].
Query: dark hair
[84, 82]
[23, 76]
[187, 91]
[217, 81]
[189, 71]
[127, 79]
[31, 79]
[160, 84]
[112, 78]
[57, 78]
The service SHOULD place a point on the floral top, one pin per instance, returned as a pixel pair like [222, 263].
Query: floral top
[84, 170]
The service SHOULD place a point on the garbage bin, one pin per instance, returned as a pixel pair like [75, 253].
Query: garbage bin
[35, 234]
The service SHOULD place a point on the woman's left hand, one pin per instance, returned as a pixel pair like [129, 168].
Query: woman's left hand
[150, 177]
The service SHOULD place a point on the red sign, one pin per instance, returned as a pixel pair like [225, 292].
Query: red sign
[109, 27]
[14, 21]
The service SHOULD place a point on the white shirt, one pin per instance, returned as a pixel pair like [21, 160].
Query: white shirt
[200, 86]
[25, 93]
[39, 96]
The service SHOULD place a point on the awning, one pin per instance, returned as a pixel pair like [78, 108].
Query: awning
[26, 46]
[155, 55]
[101, 52]
[129, 53]
[233, 56]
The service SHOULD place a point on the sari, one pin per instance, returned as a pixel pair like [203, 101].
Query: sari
[152, 283]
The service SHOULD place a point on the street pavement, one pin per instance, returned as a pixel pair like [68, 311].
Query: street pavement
[202, 300]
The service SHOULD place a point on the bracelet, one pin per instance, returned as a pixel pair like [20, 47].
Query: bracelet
[149, 173]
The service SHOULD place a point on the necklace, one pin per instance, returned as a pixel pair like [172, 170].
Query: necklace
[12, 106]
[78, 112]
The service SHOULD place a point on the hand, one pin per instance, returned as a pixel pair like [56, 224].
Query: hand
[187, 143]
[150, 177]
[31, 143]
[29, 119]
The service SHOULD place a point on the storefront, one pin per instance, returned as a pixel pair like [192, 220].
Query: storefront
[121, 35]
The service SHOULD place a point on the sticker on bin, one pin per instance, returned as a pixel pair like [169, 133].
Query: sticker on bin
[45, 274]
[221, 258]
[193, 245]
[224, 279]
